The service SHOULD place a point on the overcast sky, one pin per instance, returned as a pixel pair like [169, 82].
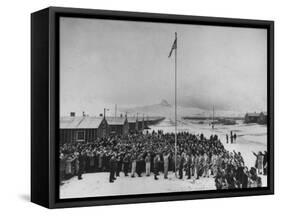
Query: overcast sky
[106, 62]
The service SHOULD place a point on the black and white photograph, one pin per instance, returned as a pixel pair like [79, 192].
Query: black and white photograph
[149, 108]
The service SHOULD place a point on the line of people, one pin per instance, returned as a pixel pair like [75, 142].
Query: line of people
[232, 137]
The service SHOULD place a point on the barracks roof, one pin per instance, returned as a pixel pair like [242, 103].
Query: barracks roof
[115, 120]
[133, 119]
[80, 122]
[253, 114]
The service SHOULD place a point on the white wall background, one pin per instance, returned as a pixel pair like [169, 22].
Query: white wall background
[15, 106]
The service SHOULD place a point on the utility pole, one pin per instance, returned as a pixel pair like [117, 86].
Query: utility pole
[104, 111]
[213, 123]
[115, 115]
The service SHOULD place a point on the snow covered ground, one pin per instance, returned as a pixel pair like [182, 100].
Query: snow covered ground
[97, 184]
[251, 137]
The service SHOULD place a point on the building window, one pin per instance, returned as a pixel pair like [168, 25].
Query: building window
[80, 135]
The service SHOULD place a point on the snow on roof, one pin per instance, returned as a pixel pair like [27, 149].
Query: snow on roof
[115, 120]
[132, 119]
[70, 122]
[253, 114]
[140, 118]
[80, 122]
[91, 122]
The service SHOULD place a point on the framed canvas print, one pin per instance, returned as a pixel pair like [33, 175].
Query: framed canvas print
[138, 107]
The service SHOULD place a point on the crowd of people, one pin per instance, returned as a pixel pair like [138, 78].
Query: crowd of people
[140, 155]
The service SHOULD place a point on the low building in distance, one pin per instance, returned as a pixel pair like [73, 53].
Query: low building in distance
[259, 118]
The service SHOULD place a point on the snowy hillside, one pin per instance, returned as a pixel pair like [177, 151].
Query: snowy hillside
[166, 109]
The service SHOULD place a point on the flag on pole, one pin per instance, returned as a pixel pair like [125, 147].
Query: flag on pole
[174, 46]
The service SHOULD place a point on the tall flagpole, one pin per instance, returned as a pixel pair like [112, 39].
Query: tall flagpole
[176, 123]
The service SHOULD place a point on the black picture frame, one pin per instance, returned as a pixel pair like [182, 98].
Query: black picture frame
[45, 105]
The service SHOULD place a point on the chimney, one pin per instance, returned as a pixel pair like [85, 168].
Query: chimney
[72, 114]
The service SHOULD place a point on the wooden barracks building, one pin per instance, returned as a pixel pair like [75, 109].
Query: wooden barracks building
[87, 128]
[82, 129]
[118, 125]
[136, 124]
[260, 118]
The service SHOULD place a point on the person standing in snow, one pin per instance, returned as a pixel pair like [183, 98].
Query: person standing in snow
[134, 165]
[156, 166]
[112, 169]
[196, 166]
[126, 162]
[81, 164]
[259, 162]
[147, 164]
[234, 137]
[188, 165]
[139, 165]
[265, 163]
[166, 164]
[206, 165]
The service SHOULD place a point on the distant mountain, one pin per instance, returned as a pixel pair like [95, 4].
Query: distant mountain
[161, 109]
[165, 103]
[165, 109]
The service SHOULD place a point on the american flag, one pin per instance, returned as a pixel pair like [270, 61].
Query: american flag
[173, 47]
